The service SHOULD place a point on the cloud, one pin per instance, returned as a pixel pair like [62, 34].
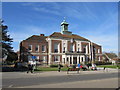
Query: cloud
[41, 9]
[51, 8]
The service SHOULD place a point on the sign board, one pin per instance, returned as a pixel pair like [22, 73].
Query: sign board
[33, 57]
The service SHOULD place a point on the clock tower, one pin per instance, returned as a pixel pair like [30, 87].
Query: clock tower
[64, 28]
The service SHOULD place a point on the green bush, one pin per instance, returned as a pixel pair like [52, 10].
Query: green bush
[103, 63]
[55, 65]
[74, 66]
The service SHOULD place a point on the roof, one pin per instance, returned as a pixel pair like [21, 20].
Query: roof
[57, 34]
[36, 38]
[111, 55]
[96, 44]
[116, 59]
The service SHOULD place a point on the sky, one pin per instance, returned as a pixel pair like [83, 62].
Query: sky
[96, 21]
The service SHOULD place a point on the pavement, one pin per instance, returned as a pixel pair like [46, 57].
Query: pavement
[103, 83]
[62, 73]
[49, 79]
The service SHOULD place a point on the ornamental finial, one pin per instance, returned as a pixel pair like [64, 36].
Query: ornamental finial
[64, 19]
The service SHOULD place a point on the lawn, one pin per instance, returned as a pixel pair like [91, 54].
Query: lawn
[50, 69]
[109, 66]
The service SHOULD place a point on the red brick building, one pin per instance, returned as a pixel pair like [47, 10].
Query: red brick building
[63, 47]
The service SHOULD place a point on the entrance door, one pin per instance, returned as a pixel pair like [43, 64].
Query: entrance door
[74, 60]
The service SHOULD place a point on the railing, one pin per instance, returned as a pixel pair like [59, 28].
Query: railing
[73, 52]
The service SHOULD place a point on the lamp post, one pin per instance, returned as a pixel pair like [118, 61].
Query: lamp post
[47, 54]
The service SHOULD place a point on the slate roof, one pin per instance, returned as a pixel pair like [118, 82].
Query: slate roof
[59, 35]
[36, 38]
[96, 44]
[111, 55]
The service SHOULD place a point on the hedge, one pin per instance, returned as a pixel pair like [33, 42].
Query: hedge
[55, 65]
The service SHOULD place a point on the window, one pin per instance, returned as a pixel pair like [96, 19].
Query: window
[56, 58]
[82, 59]
[43, 48]
[98, 50]
[84, 49]
[44, 59]
[64, 60]
[67, 59]
[70, 60]
[64, 50]
[79, 59]
[30, 47]
[56, 47]
[71, 48]
[37, 48]
[29, 58]
[99, 58]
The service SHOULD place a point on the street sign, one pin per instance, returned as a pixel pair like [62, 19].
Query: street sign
[33, 57]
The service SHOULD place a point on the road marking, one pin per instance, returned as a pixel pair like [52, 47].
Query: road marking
[10, 86]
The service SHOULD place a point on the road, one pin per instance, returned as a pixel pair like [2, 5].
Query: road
[22, 79]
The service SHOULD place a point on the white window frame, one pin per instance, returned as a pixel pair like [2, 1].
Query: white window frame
[99, 58]
[43, 46]
[30, 47]
[44, 59]
[72, 47]
[56, 57]
[98, 50]
[37, 47]
[58, 47]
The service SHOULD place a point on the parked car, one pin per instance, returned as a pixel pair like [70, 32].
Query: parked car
[94, 67]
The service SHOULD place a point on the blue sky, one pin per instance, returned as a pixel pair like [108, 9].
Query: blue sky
[96, 21]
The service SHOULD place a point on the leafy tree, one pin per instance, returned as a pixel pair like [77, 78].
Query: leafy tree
[6, 42]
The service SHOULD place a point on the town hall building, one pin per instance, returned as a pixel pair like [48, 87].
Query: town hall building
[60, 47]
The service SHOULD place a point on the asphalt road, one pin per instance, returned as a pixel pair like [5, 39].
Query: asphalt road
[21, 80]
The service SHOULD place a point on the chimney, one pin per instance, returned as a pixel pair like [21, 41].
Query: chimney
[41, 34]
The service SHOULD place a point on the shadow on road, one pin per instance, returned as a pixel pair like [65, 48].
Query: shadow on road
[13, 69]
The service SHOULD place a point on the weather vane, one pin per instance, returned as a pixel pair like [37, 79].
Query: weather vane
[64, 18]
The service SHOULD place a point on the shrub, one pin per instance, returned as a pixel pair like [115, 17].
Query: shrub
[74, 66]
[103, 63]
[55, 65]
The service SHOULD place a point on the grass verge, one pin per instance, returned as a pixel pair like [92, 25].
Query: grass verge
[50, 69]
[109, 66]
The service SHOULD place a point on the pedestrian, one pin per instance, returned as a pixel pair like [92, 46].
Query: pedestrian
[81, 66]
[104, 68]
[88, 66]
[30, 68]
[78, 65]
[59, 67]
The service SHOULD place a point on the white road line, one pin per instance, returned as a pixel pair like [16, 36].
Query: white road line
[10, 86]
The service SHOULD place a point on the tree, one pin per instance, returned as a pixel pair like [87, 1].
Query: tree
[7, 49]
